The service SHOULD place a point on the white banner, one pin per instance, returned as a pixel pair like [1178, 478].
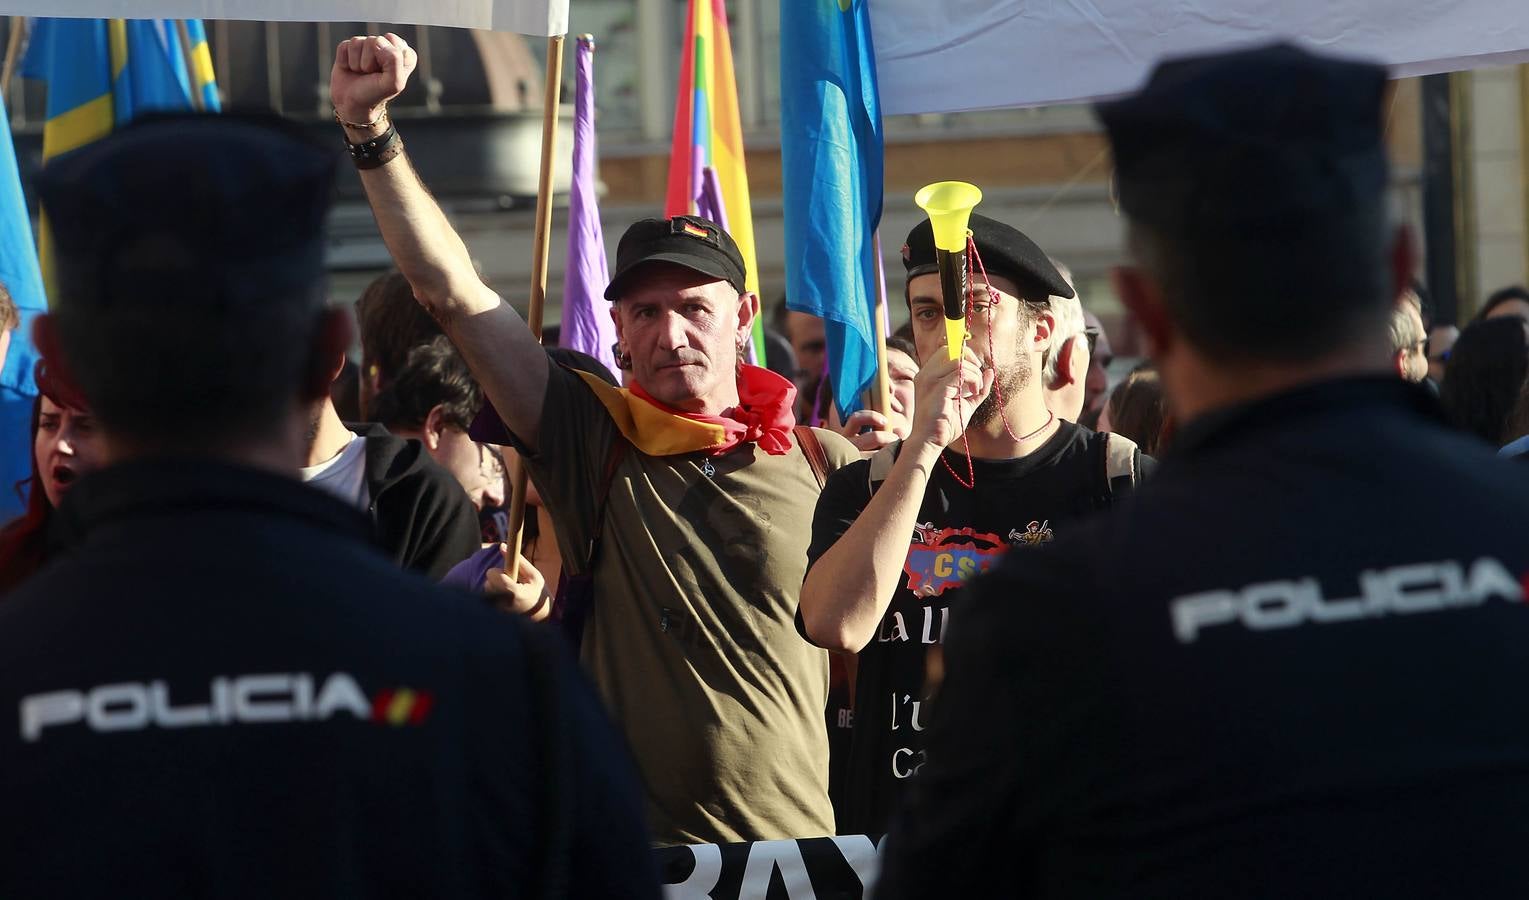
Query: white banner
[829, 868]
[955, 55]
[537, 17]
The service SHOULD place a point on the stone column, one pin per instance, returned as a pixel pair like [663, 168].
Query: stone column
[1495, 139]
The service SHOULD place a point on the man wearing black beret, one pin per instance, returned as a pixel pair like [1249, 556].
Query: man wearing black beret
[896, 536]
[1289, 666]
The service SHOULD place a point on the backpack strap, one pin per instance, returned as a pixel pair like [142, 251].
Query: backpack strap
[881, 465]
[612, 463]
[575, 593]
[812, 448]
[1115, 459]
[1120, 458]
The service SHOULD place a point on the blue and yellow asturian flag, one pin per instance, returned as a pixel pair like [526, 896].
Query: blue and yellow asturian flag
[103, 73]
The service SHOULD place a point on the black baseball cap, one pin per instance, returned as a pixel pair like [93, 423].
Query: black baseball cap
[689, 241]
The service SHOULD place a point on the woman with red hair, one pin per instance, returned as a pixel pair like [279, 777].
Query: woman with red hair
[65, 448]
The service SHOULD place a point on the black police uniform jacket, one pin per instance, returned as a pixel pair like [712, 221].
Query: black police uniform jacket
[1293, 665]
[219, 689]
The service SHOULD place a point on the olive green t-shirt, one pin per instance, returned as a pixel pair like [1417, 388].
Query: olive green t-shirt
[692, 640]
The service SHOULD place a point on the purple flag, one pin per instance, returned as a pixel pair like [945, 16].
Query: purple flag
[708, 204]
[587, 325]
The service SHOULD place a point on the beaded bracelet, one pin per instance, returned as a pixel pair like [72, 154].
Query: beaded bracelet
[361, 126]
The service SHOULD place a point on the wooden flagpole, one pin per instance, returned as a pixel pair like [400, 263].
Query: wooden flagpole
[12, 56]
[881, 389]
[540, 247]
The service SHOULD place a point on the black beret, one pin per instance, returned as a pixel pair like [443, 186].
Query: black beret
[1005, 251]
[191, 208]
[1255, 143]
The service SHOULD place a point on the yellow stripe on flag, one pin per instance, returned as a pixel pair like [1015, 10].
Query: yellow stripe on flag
[201, 61]
[703, 36]
[45, 257]
[86, 123]
[117, 33]
[402, 705]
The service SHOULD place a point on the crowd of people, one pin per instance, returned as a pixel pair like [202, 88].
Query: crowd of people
[1241, 624]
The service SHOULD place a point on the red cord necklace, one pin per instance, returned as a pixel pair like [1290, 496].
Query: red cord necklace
[970, 483]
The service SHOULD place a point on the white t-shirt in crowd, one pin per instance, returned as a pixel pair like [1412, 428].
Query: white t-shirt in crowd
[344, 476]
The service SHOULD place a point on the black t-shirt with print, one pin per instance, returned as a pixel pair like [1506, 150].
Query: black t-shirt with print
[1020, 503]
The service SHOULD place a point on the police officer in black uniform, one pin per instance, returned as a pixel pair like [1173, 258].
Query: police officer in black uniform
[219, 688]
[1293, 664]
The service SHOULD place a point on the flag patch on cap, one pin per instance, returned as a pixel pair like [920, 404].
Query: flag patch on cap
[697, 231]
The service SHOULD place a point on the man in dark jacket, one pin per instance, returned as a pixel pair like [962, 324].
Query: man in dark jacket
[220, 689]
[421, 516]
[1290, 665]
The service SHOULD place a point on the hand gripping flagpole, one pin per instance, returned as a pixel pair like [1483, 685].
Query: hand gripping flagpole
[540, 246]
[949, 205]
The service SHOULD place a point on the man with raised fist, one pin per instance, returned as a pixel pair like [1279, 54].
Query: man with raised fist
[685, 499]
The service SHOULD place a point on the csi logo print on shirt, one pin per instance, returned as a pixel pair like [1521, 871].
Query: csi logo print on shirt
[942, 558]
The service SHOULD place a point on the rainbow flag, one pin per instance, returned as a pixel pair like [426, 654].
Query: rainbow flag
[103, 73]
[708, 134]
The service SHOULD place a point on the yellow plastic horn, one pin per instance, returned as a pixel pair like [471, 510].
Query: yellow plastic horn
[949, 205]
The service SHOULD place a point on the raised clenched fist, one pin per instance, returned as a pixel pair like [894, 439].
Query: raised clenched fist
[367, 73]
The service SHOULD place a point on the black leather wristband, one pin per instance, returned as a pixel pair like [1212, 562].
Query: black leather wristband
[377, 151]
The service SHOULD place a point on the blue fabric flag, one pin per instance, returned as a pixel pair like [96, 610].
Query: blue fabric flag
[831, 161]
[201, 61]
[101, 74]
[108, 72]
[21, 276]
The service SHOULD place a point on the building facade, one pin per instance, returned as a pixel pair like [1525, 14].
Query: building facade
[472, 119]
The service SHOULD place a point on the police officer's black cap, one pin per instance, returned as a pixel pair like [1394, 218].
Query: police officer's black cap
[1005, 251]
[1257, 142]
[191, 209]
[689, 241]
